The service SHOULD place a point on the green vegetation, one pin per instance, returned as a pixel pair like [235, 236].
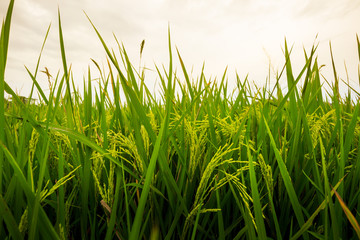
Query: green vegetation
[198, 163]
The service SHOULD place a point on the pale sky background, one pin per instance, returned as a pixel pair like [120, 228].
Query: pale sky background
[247, 36]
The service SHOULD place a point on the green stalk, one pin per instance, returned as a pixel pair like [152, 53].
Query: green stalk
[47, 230]
[260, 225]
[4, 44]
[114, 209]
[219, 214]
[9, 219]
[287, 181]
[134, 234]
[63, 58]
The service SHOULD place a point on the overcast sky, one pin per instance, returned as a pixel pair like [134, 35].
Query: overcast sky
[247, 36]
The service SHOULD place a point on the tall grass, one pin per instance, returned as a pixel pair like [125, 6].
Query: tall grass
[198, 163]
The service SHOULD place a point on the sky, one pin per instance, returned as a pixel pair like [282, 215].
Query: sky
[245, 36]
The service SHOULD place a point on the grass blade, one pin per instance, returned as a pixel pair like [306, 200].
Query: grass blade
[256, 198]
[287, 181]
[4, 44]
[9, 220]
[348, 214]
[145, 191]
[310, 220]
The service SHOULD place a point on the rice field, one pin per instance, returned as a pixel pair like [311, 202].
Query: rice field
[198, 160]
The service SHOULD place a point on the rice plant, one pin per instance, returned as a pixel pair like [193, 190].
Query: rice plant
[196, 161]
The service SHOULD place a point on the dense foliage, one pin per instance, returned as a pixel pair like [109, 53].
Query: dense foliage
[194, 161]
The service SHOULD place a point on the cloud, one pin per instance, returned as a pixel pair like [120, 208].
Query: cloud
[329, 9]
[236, 33]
